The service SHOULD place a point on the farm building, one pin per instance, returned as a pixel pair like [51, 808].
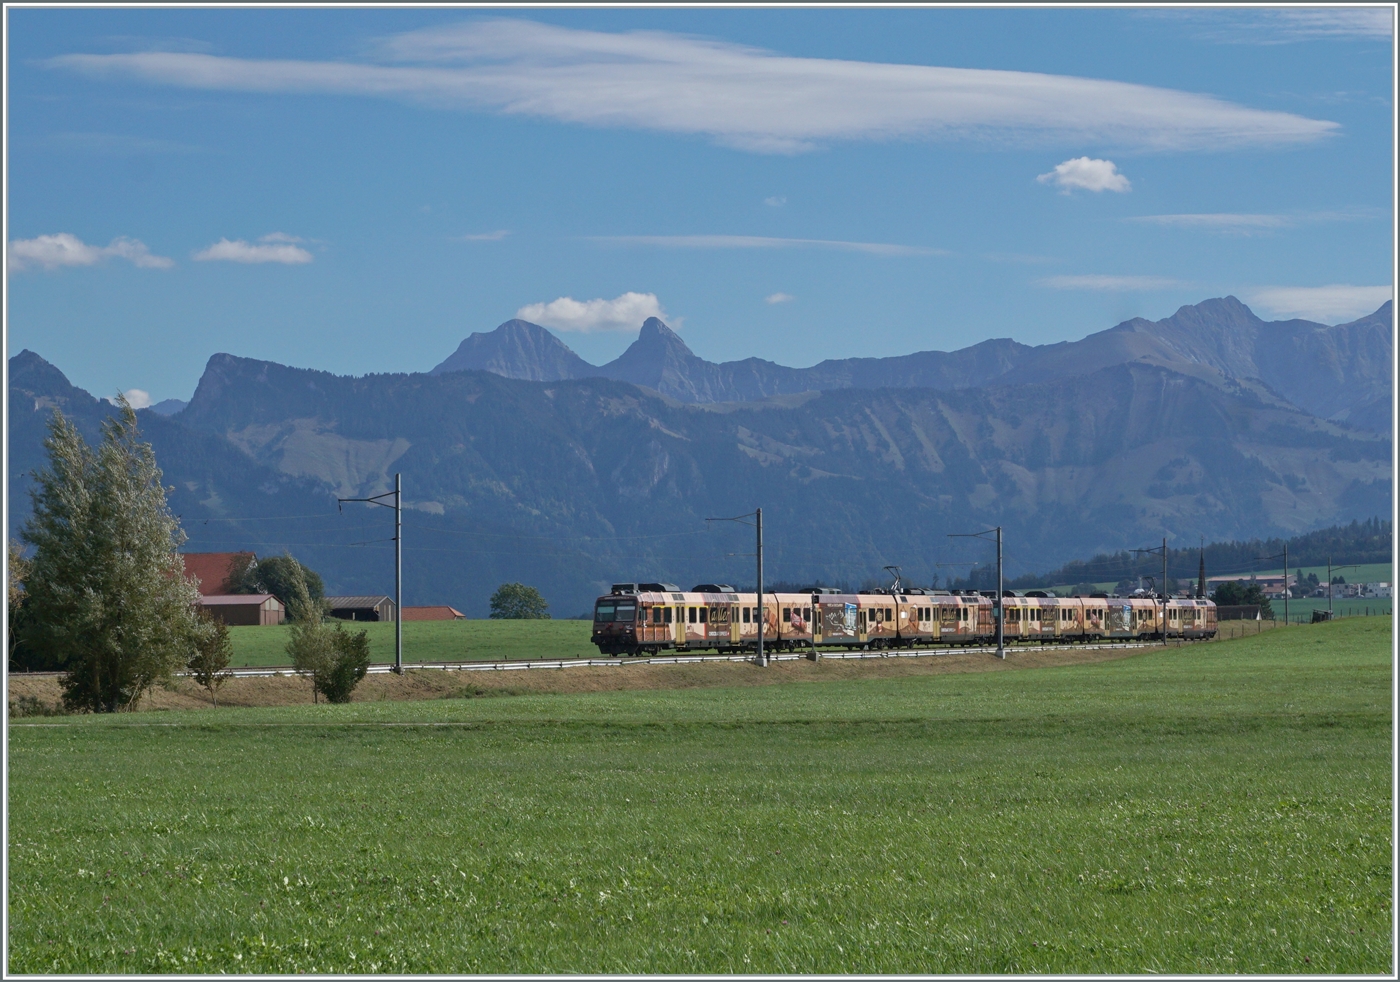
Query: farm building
[433, 614]
[362, 608]
[214, 569]
[236, 609]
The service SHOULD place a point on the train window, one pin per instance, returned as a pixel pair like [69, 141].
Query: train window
[692, 615]
[668, 614]
[808, 611]
[704, 614]
[656, 615]
[604, 612]
[787, 613]
[746, 615]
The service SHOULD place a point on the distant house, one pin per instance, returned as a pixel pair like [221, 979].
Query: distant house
[433, 614]
[244, 608]
[213, 569]
[362, 608]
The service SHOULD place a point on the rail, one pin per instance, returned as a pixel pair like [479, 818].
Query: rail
[527, 664]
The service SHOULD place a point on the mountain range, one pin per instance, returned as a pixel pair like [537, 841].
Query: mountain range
[521, 462]
[1341, 372]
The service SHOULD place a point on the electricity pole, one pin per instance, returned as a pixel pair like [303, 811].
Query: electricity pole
[757, 515]
[1162, 624]
[999, 611]
[397, 494]
[1330, 568]
[1284, 554]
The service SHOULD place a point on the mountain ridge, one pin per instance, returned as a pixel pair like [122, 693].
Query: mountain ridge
[1340, 372]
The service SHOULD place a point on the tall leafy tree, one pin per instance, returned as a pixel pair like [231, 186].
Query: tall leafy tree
[107, 595]
[516, 601]
[282, 576]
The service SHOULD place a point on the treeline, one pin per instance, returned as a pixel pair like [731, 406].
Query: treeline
[1358, 542]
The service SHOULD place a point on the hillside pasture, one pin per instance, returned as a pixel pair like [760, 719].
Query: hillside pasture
[1218, 808]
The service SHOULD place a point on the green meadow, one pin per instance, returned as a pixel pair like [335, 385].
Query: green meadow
[1217, 808]
[433, 641]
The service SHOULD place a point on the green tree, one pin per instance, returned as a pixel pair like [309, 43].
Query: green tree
[335, 659]
[279, 576]
[1242, 594]
[516, 601]
[107, 597]
[212, 652]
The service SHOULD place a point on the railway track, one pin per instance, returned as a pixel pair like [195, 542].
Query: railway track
[678, 659]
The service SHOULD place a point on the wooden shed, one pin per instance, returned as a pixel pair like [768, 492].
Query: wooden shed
[362, 608]
[237, 609]
[433, 614]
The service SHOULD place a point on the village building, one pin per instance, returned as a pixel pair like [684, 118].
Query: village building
[372, 608]
[243, 609]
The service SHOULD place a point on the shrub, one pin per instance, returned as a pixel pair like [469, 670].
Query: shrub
[212, 652]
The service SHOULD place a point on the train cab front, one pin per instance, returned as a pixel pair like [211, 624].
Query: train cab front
[615, 621]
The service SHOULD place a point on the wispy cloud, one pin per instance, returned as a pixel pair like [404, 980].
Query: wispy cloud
[623, 313]
[1230, 222]
[278, 247]
[65, 249]
[1287, 25]
[776, 201]
[766, 242]
[1086, 174]
[1236, 223]
[779, 298]
[1122, 284]
[741, 96]
[1331, 304]
[495, 236]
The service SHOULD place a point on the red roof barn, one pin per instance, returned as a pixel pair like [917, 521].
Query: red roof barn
[212, 569]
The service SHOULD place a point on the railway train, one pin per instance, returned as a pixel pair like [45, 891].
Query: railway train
[647, 618]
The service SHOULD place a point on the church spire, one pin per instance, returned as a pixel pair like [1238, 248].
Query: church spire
[1201, 576]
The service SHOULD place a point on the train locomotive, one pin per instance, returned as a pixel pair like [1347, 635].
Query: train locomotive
[648, 618]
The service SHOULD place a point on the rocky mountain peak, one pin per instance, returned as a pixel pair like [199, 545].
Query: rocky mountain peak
[517, 349]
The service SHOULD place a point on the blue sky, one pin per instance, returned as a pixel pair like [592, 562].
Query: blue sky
[357, 190]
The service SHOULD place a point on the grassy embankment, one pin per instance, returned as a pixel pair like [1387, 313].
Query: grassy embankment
[432, 641]
[1220, 808]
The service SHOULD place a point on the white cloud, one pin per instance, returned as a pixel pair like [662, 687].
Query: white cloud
[777, 201]
[624, 313]
[139, 398]
[279, 247]
[741, 96]
[1334, 304]
[1109, 283]
[1088, 174]
[495, 236]
[779, 298]
[64, 249]
[766, 242]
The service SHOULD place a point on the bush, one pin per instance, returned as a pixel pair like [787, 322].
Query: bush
[516, 601]
[349, 664]
[212, 652]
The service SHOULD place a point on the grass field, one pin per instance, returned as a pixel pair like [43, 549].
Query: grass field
[428, 641]
[1219, 808]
